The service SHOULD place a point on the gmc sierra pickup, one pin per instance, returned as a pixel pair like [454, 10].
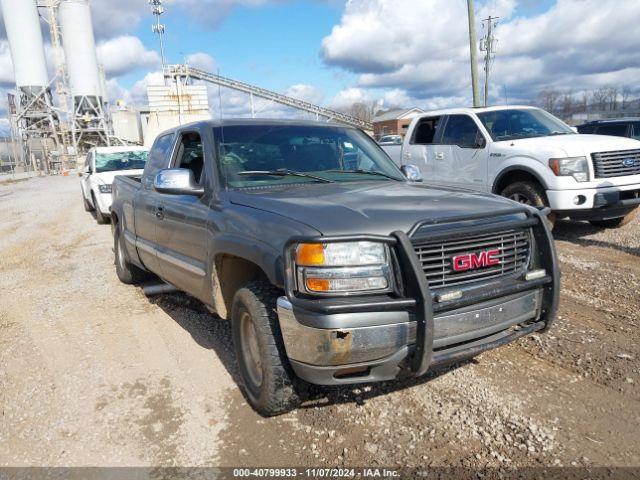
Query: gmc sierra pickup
[333, 265]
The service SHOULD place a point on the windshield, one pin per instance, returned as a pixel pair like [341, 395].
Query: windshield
[268, 155]
[109, 162]
[511, 124]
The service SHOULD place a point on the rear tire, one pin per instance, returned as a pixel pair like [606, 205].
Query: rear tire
[529, 193]
[100, 218]
[268, 381]
[615, 222]
[127, 273]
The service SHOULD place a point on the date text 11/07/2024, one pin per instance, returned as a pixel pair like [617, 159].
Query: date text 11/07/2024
[315, 473]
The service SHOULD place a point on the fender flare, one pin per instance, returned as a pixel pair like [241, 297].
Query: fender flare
[514, 168]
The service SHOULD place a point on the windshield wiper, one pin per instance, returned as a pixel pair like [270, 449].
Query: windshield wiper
[366, 172]
[557, 133]
[284, 172]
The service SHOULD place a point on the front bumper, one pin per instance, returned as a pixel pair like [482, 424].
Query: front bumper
[378, 350]
[599, 200]
[381, 338]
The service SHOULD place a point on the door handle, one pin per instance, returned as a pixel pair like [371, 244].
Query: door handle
[160, 212]
[439, 156]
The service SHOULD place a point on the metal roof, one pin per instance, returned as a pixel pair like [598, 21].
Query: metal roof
[394, 114]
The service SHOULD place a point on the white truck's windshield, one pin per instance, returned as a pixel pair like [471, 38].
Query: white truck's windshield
[262, 155]
[110, 162]
[514, 123]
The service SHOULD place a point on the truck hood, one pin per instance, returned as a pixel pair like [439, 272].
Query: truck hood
[107, 177]
[572, 145]
[376, 207]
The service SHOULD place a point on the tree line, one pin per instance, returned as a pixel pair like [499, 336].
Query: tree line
[608, 98]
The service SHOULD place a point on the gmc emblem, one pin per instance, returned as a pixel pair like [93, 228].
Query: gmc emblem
[470, 261]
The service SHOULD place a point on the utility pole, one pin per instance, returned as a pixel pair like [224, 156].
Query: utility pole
[473, 52]
[488, 45]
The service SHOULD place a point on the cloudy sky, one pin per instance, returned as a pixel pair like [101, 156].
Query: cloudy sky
[336, 52]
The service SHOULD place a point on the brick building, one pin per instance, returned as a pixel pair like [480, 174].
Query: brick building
[394, 122]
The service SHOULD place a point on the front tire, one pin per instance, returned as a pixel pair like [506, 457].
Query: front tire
[100, 218]
[529, 193]
[87, 206]
[126, 272]
[267, 379]
[615, 222]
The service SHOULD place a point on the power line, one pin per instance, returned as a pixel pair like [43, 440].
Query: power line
[488, 45]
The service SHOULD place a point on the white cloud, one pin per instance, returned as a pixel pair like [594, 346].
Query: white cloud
[202, 60]
[307, 93]
[424, 57]
[123, 54]
[349, 96]
[6, 65]
[112, 17]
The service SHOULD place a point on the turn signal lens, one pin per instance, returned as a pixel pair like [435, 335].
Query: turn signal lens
[310, 254]
[318, 284]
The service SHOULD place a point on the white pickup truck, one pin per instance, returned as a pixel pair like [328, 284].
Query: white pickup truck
[101, 166]
[530, 156]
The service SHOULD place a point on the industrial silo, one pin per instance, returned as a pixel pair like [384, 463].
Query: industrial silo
[27, 48]
[90, 125]
[80, 54]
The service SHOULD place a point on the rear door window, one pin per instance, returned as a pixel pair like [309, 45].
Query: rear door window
[460, 130]
[159, 155]
[426, 131]
[614, 129]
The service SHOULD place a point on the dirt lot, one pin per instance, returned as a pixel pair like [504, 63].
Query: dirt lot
[93, 373]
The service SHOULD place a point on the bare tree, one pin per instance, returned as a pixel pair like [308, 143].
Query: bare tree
[600, 98]
[626, 95]
[567, 103]
[361, 110]
[613, 98]
[548, 98]
[584, 102]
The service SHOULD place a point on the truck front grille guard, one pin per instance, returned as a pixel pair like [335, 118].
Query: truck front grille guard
[418, 296]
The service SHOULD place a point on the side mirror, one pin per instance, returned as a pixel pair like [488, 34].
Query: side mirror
[177, 181]
[412, 173]
[480, 142]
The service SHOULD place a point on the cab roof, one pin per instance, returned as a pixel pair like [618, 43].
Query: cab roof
[121, 148]
[476, 110]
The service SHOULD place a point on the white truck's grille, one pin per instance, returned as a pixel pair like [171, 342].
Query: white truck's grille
[437, 258]
[617, 163]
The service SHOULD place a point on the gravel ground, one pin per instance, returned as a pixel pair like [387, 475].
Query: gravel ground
[93, 373]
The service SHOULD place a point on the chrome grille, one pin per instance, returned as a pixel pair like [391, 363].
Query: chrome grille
[436, 257]
[616, 164]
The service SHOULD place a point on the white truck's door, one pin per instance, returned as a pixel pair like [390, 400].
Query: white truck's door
[420, 148]
[462, 158]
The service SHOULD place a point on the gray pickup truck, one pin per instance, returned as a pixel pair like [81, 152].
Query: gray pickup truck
[331, 264]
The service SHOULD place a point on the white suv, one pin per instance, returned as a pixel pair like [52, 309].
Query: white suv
[530, 156]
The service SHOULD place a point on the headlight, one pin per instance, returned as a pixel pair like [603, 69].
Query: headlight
[576, 167]
[343, 267]
[105, 188]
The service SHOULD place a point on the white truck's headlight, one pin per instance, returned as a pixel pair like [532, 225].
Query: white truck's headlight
[105, 188]
[576, 167]
[343, 267]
